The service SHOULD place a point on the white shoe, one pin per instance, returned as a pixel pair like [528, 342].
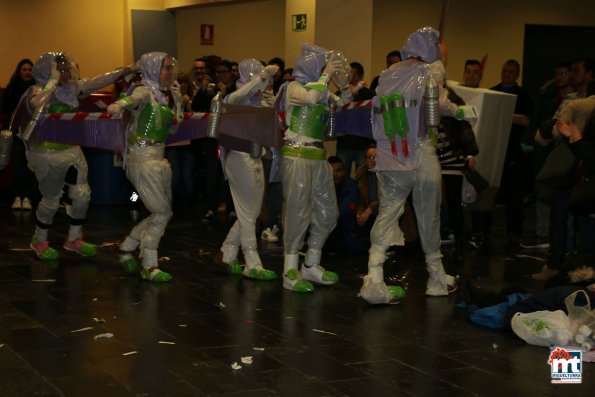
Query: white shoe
[27, 204]
[270, 235]
[16, 205]
[318, 275]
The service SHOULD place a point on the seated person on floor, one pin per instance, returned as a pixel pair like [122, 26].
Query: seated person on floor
[367, 183]
[346, 235]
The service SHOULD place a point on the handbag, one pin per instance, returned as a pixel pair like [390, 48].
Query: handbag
[582, 198]
[557, 165]
[475, 179]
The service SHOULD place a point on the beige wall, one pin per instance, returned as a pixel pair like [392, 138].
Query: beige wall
[294, 40]
[473, 28]
[242, 30]
[98, 34]
[346, 26]
[91, 31]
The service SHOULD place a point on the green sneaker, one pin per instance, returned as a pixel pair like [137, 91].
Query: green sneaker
[396, 294]
[128, 263]
[260, 273]
[235, 267]
[155, 275]
[43, 250]
[292, 280]
[80, 247]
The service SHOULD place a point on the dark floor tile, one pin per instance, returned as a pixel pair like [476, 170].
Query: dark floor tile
[367, 387]
[32, 339]
[409, 379]
[90, 385]
[294, 383]
[328, 343]
[316, 364]
[24, 381]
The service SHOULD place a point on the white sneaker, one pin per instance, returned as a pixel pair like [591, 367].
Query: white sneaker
[270, 235]
[16, 205]
[27, 204]
[318, 275]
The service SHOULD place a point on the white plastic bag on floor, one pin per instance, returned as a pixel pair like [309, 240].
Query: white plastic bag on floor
[468, 192]
[581, 319]
[543, 328]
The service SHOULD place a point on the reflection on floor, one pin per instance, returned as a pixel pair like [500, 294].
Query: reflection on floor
[80, 327]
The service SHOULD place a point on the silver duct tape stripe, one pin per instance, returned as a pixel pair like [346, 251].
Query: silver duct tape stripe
[255, 150]
[297, 144]
[5, 148]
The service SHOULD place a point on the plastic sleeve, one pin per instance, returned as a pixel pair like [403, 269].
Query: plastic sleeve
[39, 97]
[140, 95]
[297, 95]
[92, 84]
[248, 90]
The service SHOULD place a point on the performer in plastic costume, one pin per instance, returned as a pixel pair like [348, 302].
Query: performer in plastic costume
[306, 176]
[245, 174]
[156, 108]
[409, 100]
[58, 90]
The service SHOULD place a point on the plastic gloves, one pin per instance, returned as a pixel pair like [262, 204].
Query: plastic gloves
[342, 78]
[175, 92]
[270, 71]
[331, 68]
[114, 109]
[467, 112]
[54, 78]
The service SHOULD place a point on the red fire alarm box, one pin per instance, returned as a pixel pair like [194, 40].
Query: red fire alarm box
[207, 34]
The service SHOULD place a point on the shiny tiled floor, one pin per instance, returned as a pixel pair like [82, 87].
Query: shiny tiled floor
[328, 343]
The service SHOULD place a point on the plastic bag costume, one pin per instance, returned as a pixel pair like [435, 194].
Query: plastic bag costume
[306, 176]
[406, 161]
[156, 108]
[56, 164]
[246, 180]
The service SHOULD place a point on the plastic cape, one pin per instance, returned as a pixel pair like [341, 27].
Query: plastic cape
[409, 79]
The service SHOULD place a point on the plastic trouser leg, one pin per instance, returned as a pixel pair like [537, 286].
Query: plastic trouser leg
[393, 189]
[437, 280]
[426, 199]
[297, 187]
[323, 204]
[246, 181]
[50, 169]
[150, 174]
[80, 193]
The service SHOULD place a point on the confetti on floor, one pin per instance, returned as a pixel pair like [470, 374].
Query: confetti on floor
[246, 360]
[323, 332]
[106, 335]
[81, 329]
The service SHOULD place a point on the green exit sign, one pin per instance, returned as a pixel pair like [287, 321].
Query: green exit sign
[298, 22]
